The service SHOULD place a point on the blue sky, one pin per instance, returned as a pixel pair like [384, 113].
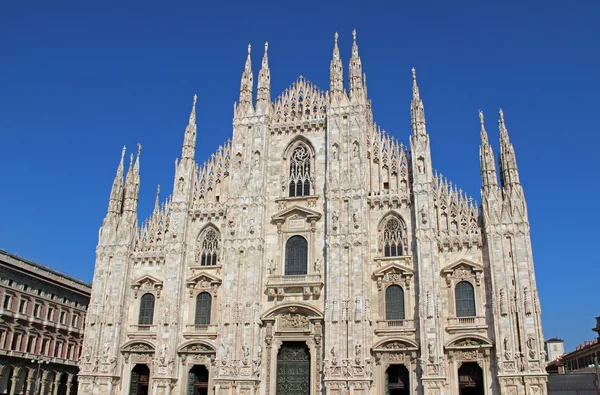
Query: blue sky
[82, 79]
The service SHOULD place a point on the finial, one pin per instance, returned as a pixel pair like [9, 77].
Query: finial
[354, 35]
[123, 153]
[130, 160]
[501, 115]
[335, 36]
[249, 48]
[481, 119]
[195, 99]
[266, 46]
[414, 74]
[139, 149]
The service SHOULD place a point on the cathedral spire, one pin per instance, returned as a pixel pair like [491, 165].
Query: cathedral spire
[132, 183]
[336, 77]
[189, 140]
[246, 86]
[115, 203]
[417, 109]
[509, 174]
[486, 159]
[157, 201]
[355, 70]
[263, 98]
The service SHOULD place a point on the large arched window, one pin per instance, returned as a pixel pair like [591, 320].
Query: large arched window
[296, 255]
[146, 309]
[394, 303]
[300, 172]
[209, 249]
[203, 307]
[392, 237]
[465, 299]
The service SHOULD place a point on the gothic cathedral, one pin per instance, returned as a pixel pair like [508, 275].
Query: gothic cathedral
[311, 254]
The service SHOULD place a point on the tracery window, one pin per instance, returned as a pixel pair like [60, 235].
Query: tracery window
[296, 256]
[464, 295]
[300, 172]
[392, 238]
[210, 248]
[394, 303]
[146, 310]
[203, 309]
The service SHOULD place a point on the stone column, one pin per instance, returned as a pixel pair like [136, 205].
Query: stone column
[43, 382]
[14, 380]
[69, 383]
[56, 383]
[29, 382]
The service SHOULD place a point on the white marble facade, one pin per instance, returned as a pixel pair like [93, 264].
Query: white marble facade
[313, 228]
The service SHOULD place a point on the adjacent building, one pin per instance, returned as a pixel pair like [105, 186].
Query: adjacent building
[315, 253]
[42, 314]
[585, 357]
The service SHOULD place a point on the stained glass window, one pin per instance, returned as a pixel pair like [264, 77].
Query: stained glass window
[296, 255]
[394, 303]
[465, 299]
[392, 238]
[300, 172]
[203, 307]
[146, 309]
[210, 248]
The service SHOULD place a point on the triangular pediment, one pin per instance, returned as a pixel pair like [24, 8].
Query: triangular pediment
[298, 212]
[462, 264]
[147, 279]
[203, 277]
[393, 268]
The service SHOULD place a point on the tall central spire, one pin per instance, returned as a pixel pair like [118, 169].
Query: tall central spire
[486, 159]
[189, 139]
[355, 70]
[336, 77]
[246, 85]
[263, 96]
[417, 110]
[509, 173]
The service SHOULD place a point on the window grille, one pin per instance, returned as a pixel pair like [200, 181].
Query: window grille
[203, 308]
[465, 299]
[394, 303]
[296, 256]
[146, 309]
[300, 172]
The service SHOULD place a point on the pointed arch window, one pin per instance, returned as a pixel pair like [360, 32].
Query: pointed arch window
[203, 308]
[296, 256]
[209, 251]
[464, 295]
[392, 238]
[394, 303]
[146, 310]
[300, 172]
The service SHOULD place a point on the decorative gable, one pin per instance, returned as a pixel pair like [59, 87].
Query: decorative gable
[295, 218]
[147, 283]
[393, 273]
[462, 270]
[203, 282]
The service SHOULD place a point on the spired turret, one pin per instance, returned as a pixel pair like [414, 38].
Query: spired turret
[357, 91]
[263, 97]
[244, 106]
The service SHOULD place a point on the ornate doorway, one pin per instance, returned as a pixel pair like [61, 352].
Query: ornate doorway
[140, 379]
[470, 379]
[397, 380]
[293, 369]
[198, 380]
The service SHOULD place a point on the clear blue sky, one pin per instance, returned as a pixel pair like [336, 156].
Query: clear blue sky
[80, 79]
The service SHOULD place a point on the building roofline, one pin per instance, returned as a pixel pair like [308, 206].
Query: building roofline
[55, 275]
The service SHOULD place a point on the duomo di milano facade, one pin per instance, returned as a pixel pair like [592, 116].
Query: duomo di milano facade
[315, 254]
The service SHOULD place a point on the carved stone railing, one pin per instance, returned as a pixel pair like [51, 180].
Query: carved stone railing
[462, 324]
[141, 331]
[387, 326]
[303, 284]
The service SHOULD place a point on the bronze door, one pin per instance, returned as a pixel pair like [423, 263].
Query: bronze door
[293, 369]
